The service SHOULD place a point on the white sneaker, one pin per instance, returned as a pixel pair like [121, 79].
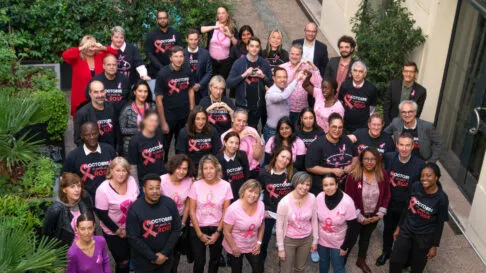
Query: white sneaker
[315, 257]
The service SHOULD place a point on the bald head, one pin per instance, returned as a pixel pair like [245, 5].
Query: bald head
[310, 32]
[97, 93]
[110, 66]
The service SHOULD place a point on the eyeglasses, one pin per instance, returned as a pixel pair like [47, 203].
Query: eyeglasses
[407, 112]
[369, 159]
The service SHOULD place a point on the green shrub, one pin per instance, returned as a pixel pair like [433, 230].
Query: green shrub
[53, 103]
[39, 178]
[16, 211]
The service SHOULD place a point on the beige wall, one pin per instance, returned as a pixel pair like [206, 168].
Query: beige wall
[436, 19]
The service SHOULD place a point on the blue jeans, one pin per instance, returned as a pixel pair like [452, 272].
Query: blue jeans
[268, 132]
[329, 256]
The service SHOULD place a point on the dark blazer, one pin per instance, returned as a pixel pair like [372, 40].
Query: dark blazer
[430, 140]
[320, 55]
[333, 65]
[204, 69]
[354, 188]
[392, 99]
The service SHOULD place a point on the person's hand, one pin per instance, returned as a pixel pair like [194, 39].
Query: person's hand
[213, 238]
[432, 253]
[353, 138]
[227, 32]
[145, 78]
[196, 87]
[281, 255]
[122, 233]
[165, 127]
[161, 258]
[342, 252]
[257, 148]
[259, 73]
[299, 76]
[204, 238]
[395, 234]
[338, 172]
[256, 249]
[366, 221]
[224, 105]
[375, 219]
[313, 248]
[247, 72]
[100, 47]
[236, 252]
[311, 65]
[348, 168]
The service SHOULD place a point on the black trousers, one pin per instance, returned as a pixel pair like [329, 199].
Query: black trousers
[267, 235]
[199, 249]
[408, 244]
[120, 250]
[236, 263]
[390, 222]
[164, 268]
[175, 125]
[222, 67]
[364, 238]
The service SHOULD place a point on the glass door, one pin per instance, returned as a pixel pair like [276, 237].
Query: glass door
[462, 116]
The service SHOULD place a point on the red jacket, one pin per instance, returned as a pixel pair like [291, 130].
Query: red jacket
[354, 188]
[82, 74]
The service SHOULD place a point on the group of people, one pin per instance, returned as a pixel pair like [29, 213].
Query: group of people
[296, 148]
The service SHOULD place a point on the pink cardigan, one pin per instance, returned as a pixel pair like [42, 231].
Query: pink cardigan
[283, 213]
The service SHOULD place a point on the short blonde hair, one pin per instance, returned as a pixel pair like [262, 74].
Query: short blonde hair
[212, 159]
[251, 184]
[115, 162]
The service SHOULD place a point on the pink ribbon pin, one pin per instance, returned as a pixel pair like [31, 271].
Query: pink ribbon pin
[192, 145]
[85, 169]
[250, 232]
[173, 87]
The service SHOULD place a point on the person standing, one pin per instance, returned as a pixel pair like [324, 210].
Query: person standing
[337, 225]
[406, 89]
[373, 136]
[332, 153]
[209, 199]
[367, 184]
[403, 169]
[146, 148]
[219, 108]
[174, 96]
[243, 228]
[116, 85]
[249, 76]
[313, 50]
[153, 228]
[101, 113]
[91, 160]
[221, 38]
[159, 43]
[199, 64]
[274, 53]
[421, 227]
[113, 199]
[86, 61]
[297, 225]
[276, 99]
[308, 130]
[129, 61]
[299, 99]
[427, 141]
[240, 50]
[88, 253]
[339, 68]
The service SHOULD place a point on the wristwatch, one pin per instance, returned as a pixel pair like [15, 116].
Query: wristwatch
[219, 231]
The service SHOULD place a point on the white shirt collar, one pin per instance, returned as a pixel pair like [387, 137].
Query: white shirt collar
[411, 128]
[195, 51]
[309, 46]
[227, 158]
[358, 85]
[88, 151]
[272, 172]
[122, 48]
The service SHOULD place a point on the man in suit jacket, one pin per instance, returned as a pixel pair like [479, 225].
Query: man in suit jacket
[406, 89]
[339, 68]
[199, 63]
[428, 142]
[313, 50]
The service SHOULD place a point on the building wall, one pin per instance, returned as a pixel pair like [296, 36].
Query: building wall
[476, 224]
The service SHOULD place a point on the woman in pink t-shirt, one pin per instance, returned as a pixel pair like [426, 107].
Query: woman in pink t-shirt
[113, 199]
[326, 100]
[244, 227]
[176, 184]
[297, 225]
[209, 198]
[337, 225]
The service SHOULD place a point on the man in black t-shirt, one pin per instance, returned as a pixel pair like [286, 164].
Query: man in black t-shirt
[101, 113]
[358, 97]
[199, 63]
[174, 96]
[116, 85]
[373, 136]
[159, 42]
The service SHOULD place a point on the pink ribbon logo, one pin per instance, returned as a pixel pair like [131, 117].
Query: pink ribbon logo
[209, 203]
[177, 200]
[413, 93]
[211, 119]
[173, 87]
[159, 46]
[103, 130]
[148, 226]
[124, 206]
[192, 145]
[250, 232]
[411, 206]
[85, 169]
[347, 100]
[147, 156]
[392, 179]
[271, 190]
[328, 225]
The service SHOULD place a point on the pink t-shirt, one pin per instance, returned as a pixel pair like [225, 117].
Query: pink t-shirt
[210, 200]
[116, 204]
[75, 213]
[300, 219]
[298, 147]
[245, 227]
[246, 145]
[323, 112]
[177, 193]
[219, 46]
[332, 223]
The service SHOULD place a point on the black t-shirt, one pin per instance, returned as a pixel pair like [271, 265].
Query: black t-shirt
[254, 87]
[275, 58]
[128, 61]
[401, 176]
[174, 87]
[383, 143]
[309, 137]
[357, 103]
[275, 187]
[193, 61]
[117, 90]
[236, 171]
[158, 46]
[329, 155]
[416, 144]
[219, 118]
[106, 121]
[201, 144]
[90, 168]
[147, 153]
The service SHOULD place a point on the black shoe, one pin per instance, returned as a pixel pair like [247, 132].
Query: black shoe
[382, 259]
[222, 262]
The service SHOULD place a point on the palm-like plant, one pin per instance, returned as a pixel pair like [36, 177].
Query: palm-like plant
[21, 251]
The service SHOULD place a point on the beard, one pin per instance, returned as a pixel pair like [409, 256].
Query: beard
[164, 25]
[345, 54]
